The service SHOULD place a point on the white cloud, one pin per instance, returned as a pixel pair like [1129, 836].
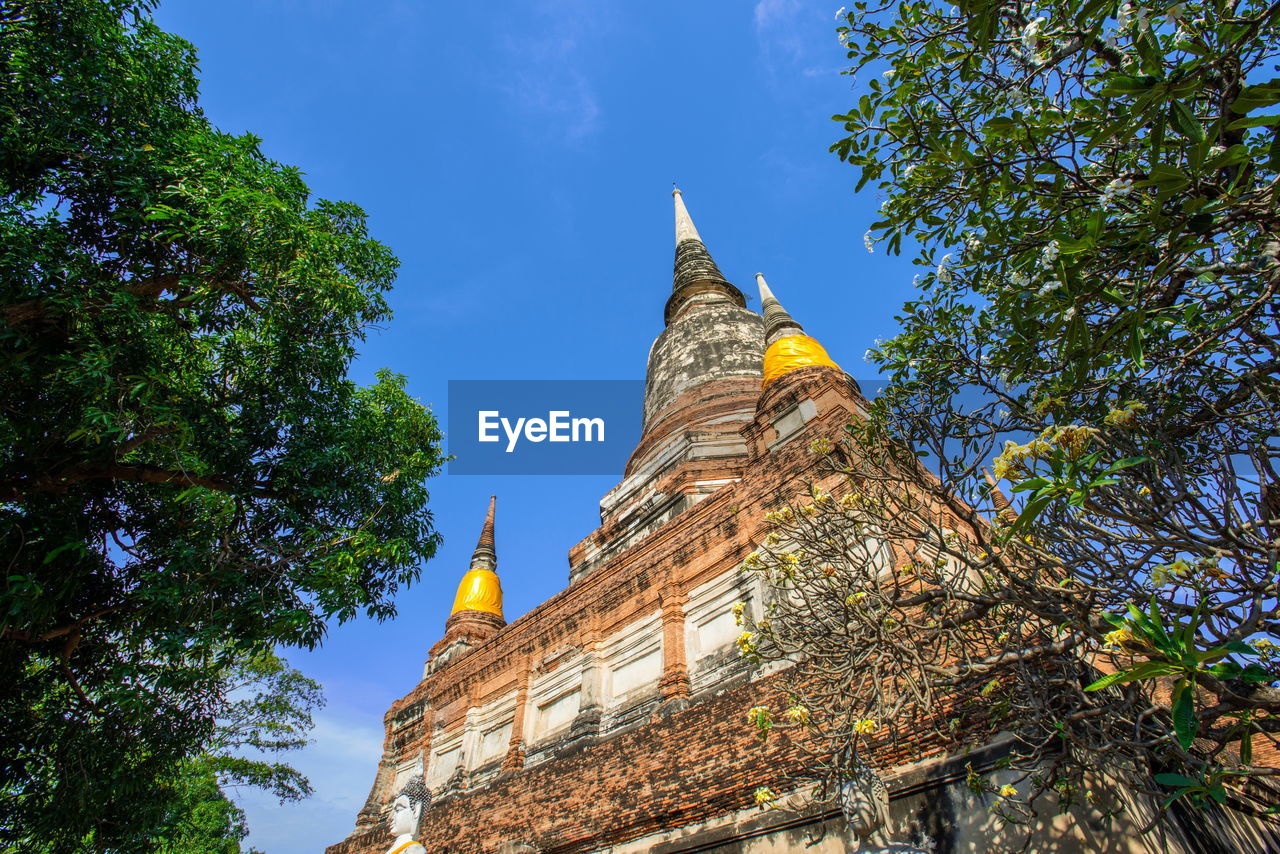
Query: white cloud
[560, 95]
[552, 85]
[778, 27]
[770, 12]
[797, 38]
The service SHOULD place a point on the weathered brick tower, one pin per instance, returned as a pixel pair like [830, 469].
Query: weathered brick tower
[612, 716]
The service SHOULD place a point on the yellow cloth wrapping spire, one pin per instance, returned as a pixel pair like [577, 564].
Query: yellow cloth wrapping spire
[794, 351]
[479, 590]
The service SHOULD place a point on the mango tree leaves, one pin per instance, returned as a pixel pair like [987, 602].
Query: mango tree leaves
[187, 475]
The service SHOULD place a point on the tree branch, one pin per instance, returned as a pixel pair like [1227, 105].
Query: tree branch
[139, 473]
[36, 309]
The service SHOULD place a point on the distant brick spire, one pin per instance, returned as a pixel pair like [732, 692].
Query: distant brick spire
[694, 264]
[480, 589]
[486, 533]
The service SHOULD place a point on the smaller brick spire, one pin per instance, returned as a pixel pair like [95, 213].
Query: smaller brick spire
[1004, 510]
[787, 348]
[777, 323]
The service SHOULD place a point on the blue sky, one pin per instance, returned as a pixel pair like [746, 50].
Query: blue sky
[518, 158]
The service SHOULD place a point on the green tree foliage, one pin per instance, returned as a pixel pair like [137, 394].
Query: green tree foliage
[268, 711]
[187, 476]
[201, 818]
[1092, 186]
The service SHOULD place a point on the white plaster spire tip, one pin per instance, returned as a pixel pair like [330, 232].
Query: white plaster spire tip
[684, 225]
[765, 293]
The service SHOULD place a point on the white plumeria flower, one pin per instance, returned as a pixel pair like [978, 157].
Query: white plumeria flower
[1140, 18]
[839, 13]
[888, 75]
[1020, 280]
[868, 242]
[943, 274]
[1069, 313]
[1048, 288]
[1116, 187]
[1031, 34]
[1049, 254]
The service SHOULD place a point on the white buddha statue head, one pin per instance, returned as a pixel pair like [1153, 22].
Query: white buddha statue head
[404, 817]
[407, 807]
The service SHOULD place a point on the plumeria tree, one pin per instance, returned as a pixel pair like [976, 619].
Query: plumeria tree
[1092, 190]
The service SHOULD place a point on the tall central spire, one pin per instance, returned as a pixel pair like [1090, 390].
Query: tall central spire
[685, 229]
[710, 335]
[694, 265]
[702, 382]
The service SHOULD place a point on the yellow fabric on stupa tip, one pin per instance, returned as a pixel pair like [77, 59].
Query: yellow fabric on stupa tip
[794, 351]
[479, 590]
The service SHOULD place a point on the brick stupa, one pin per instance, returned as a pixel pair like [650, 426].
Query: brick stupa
[612, 717]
